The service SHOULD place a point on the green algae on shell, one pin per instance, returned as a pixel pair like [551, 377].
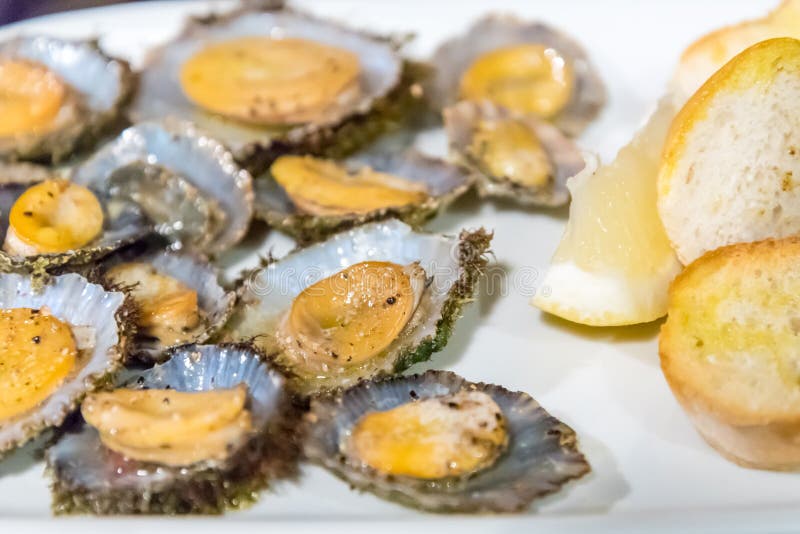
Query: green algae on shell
[452, 265]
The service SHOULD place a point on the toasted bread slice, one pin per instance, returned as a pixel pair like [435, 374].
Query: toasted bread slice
[703, 57]
[730, 170]
[730, 350]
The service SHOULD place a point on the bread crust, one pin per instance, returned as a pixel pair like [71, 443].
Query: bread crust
[713, 42]
[708, 53]
[773, 446]
[764, 439]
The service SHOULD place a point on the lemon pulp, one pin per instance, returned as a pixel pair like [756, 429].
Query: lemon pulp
[613, 225]
[614, 263]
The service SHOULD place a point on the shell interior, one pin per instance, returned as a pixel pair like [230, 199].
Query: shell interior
[542, 454]
[451, 264]
[461, 122]
[492, 32]
[90, 477]
[182, 149]
[71, 298]
[161, 95]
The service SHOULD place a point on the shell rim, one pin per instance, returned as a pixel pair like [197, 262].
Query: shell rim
[204, 490]
[250, 153]
[215, 149]
[198, 261]
[115, 357]
[99, 121]
[473, 251]
[323, 409]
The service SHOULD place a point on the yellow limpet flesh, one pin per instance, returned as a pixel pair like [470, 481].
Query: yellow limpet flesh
[270, 81]
[215, 445]
[170, 427]
[53, 216]
[353, 315]
[31, 96]
[168, 308]
[528, 78]
[37, 353]
[323, 187]
[510, 149]
[434, 438]
[146, 418]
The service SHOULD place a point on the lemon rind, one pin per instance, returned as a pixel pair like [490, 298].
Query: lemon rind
[597, 299]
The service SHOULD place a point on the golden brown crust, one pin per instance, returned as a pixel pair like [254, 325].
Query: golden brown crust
[715, 44]
[754, 65]
[738, 254]
[695, 382]
[752, 438]
[715, 39]
[774, 446]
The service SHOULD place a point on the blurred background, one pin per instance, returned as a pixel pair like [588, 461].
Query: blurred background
[14, 10]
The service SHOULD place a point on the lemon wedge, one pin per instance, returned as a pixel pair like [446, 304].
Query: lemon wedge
[614, 263]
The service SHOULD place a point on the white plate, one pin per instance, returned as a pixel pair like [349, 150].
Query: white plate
[651, 470]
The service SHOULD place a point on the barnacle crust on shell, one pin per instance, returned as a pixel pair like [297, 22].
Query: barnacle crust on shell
[452, 264]
[87, 477]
